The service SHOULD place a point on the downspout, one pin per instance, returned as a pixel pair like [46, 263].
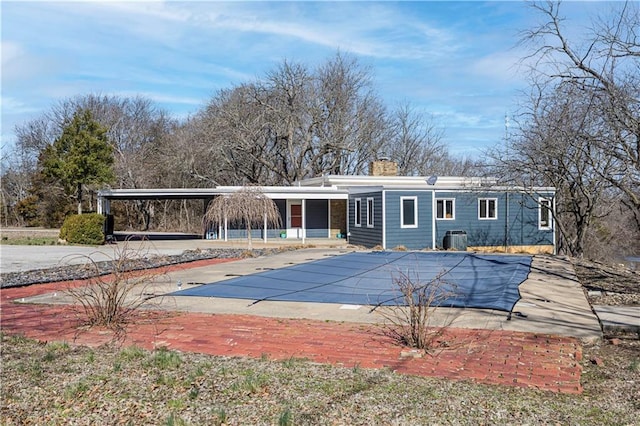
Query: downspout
[506, 223]
[433, 219]
[553, 224]
[384, 219]
[347, 219]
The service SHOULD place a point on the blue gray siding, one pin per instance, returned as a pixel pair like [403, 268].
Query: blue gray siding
[411, 238]
[516, 223]
[364, 235]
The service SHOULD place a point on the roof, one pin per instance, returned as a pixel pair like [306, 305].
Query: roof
[329, 187]
[275, 192]
[345, 181]
[360, 183]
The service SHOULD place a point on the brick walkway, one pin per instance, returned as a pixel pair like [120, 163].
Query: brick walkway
[484, 356]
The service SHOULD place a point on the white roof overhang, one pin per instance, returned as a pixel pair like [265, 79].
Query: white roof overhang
[274, 192]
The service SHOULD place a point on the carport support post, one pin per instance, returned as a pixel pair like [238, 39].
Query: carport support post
[104, 206]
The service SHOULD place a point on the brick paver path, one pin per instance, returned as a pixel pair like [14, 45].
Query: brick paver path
[485, 356]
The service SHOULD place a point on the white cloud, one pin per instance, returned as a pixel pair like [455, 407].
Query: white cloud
[162, 97]
[20, 65]
[11, 51]
[499, 65]
[178, 53]
[11, 105]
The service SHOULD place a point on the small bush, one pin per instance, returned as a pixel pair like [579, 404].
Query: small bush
[27, 209]
[83, 229]
[113, 300]
[408, 323]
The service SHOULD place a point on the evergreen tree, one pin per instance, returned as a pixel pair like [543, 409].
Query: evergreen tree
[81, 156]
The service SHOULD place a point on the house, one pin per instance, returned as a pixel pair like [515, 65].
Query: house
[390, 211]
[426, 212]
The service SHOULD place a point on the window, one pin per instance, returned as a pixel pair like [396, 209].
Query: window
[357, 221]
[370, 212]
[544, 213]
[408, 212]
[487, 208]
[445, 208]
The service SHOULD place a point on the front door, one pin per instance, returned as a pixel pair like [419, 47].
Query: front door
[294, 219]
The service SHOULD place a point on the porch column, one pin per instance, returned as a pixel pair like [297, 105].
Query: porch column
[329, 218]
[304, 219]
[264, 237]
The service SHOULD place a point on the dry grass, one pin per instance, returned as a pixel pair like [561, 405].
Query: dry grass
[55, 383]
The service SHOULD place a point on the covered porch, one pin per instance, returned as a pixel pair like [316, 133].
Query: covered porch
[306, 212]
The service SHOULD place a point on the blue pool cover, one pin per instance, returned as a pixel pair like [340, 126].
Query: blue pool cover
[371, 278]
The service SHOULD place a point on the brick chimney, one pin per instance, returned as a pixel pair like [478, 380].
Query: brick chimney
[383, 167]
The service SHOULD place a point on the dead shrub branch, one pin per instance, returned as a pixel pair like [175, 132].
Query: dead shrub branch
[112, 300]
[409, 322]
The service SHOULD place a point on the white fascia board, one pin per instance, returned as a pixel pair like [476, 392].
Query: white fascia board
[294, 192]
[308, 195]
[275, 192]
[530, 190]
[364, 189]
[343, 181]
[156, 192]
[348, 181]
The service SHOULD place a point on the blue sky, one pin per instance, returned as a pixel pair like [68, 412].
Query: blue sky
[455, 61]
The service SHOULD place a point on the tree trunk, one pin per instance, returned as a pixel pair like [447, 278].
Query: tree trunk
[79, 196]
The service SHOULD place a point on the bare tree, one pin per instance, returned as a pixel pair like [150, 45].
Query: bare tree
[352, 123]
[297, 123]
[555, 146]
[606, 67]
[248, 207]
[579, 130]
[416, 145]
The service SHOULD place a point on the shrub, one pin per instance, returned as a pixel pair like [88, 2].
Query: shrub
[409, 322]
[27, 209]
[83, 229]
[112, 300]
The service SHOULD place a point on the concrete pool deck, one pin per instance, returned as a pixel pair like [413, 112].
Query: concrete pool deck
[553, 301]
[539, 347]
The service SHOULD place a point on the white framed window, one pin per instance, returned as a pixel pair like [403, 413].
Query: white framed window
[544, 214]
[445, 208]
[487, 208]
[370, 212]
[408, 212]
[357, 211]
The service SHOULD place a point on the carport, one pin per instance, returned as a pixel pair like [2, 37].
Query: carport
[294, 199]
